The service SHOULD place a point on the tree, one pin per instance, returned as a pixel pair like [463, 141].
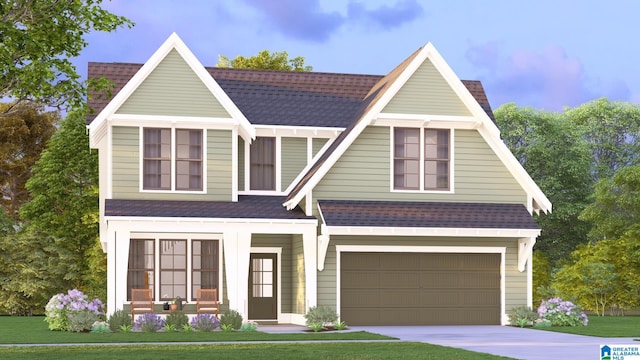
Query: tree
[38, 40]
[23, 137]
[64, 203]
[278, 60]
[612, 130]
[559, 161]
[616, 206]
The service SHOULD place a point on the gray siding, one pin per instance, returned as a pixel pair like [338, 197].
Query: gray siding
[427, 92]
[363, 172]
[316, 145]
[240, 163]
[173, 88]
[282, 241]
[515, 281]
[294, 159]
[126, 167]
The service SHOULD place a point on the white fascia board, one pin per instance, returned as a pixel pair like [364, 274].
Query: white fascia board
[174, 42]
[209, 225]
[489, 131]
[417, 231]
[298, 131]
[363, 122]
[430, 121]
[195, 122]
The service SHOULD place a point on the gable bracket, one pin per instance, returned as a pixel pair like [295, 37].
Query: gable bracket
[323, 246]
[525, 249]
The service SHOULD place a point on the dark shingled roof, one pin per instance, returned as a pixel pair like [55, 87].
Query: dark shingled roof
[268, 97]
[247, 207]
[425, 214]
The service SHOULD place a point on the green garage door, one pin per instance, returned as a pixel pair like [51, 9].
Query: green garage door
[419, 289]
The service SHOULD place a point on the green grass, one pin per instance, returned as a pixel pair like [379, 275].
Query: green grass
[34, 330]
[398, 350]
[604, 326]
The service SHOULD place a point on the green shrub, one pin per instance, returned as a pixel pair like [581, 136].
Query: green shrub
[82, 320]
[340, 325]
[177, 318]
[522, 316]
[118, 319]
[100, 327]
[250, 326]
[323, 315]
[233, 318]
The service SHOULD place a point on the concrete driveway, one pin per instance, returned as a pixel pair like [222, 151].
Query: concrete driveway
[507, 341]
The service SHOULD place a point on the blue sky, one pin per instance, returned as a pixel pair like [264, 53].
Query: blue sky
[546, 54]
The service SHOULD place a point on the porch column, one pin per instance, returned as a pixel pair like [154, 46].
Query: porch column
[237, 247]
[310, 248]
[122, 241]
[111, 271]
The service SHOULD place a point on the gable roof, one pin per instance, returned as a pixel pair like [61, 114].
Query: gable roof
[174, 42]
[379, 97]
[344, 101]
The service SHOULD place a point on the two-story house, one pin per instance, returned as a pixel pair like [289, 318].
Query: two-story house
[389, 198]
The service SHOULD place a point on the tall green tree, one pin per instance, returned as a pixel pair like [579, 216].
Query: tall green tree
[23, 137]
[64, 203]
[616, 206]
[612, 130]
[559, 161]
[265, 60]
[38, 40]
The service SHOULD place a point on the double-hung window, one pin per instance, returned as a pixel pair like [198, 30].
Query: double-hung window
[172, 159]
[421, 159]
[263, 164]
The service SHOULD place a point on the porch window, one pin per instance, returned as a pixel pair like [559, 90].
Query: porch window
[205, 266]
[421, 159]
[141, 265]
[173, 269]
[263, 164]
[172, 159]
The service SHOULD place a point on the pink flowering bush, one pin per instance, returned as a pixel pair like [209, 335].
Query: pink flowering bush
[562, 313]
[62, 307]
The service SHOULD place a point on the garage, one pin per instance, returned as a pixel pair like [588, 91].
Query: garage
[420, 288]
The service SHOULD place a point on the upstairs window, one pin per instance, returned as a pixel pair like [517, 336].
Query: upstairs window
[421, 159]
[263, 164]
[172, 159]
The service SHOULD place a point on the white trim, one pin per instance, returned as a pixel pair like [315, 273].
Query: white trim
[525, 249]
[427, 249]
[234, 165]
[278, 252]
[423, 231]
[278, 164]
[297, 131]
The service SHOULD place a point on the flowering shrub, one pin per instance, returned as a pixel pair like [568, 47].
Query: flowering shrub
[61, 306]
[204, 322]
[561, 313]
[148, 322]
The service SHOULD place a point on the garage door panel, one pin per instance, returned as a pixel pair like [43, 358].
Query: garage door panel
[398, 279]
[361, 279]
[439, 289]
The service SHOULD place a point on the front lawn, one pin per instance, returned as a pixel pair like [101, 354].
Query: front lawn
[396, 350]
[604, 326]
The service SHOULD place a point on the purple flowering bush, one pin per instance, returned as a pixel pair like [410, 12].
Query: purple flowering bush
[62, 307]
[562, 313]
[148, 322]
[204, 322]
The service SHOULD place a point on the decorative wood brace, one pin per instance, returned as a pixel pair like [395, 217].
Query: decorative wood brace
[525, 248]
[323, 246]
